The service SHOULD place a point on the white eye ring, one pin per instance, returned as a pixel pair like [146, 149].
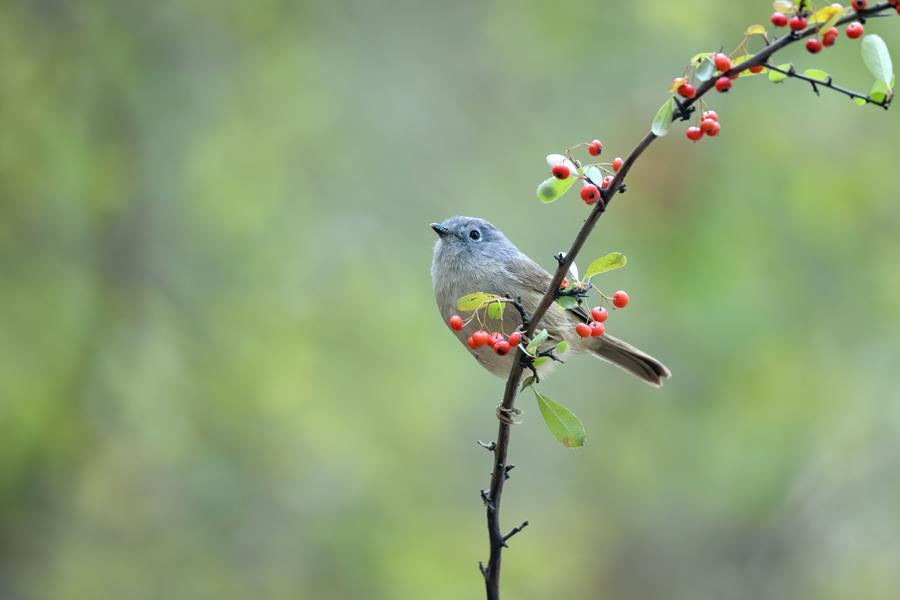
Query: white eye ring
[475, 234]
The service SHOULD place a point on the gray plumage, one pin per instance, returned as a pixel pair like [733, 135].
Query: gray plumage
[471, 255]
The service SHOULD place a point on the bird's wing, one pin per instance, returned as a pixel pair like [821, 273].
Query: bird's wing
[534, 277]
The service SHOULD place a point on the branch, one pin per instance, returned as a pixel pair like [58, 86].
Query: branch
[492, 497]
[817, 83]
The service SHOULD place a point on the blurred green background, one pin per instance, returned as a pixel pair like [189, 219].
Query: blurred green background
[222, 373]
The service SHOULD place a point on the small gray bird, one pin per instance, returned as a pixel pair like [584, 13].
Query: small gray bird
[471, 255]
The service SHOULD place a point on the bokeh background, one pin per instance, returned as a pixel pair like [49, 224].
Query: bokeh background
[222, 373]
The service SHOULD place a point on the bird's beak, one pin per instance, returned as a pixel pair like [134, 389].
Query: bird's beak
[440, 229]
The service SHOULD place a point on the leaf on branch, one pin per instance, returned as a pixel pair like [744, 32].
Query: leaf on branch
[472, 302]
[877, 59]
[540, 360]
[561, 422]
[817, 74]
[567, 302]
[776, 77]
[663, 118]
[595, 175]
[756, 30]
[535, 345]
[529, 381]
[495, 310]
[784, 6]
[832, 12]
[880, 92]
[553, 189]
[705, 70]
[559, 159]
[562, 347]
[613, 260]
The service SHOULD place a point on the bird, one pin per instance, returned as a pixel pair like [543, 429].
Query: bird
[471, 255]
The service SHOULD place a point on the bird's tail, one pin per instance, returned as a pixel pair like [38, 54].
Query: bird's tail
[627, 357]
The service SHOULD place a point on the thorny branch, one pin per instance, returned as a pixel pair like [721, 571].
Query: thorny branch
[500, 448]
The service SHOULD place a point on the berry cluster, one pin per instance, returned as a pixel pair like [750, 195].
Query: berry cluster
[601, 178]
[798, 22]
[709, 125]
[599, 315]
[495, 340]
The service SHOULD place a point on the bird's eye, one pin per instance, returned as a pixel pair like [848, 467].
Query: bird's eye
[475, 234]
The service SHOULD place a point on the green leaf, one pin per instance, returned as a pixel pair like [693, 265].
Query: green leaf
[535, 345]
[879, 91]
[783, 6]
[553, 189]
[613, 260]
[860, 101]
[817, 74]
[755, 30]
[495, 310]
[540, 360]
[594, 174]
[561, 422]
[776, 77]
[471, 302]
[562, 347]
[705, 70]
[663, 118]
[567, 302]
[529, 381]
[877, 59]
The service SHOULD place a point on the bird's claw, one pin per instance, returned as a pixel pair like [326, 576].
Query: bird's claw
[508, 415]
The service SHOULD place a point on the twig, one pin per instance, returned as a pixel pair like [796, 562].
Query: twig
[817, 83]
[491, 572]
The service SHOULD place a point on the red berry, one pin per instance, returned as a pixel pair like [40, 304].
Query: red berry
[471, 343]
[502, 347]
[757, 69]
[686, 90]
[606, 182]
[707, 124]
[617, 164]
[597, 329]
[599, 314]
[620, 299]
[495, 339]
[693, 133]
[456, 323]
[714, 129]
[855, 29]
[560, 171]
[583, 329]
[723, 84]
[859, 4]
[595, 148]
[797, 23]
[779, 19]
[814, 45]
[514, 338]
[590, 194]
[710, 114]
[828, 39]
[722, 62]
[481, 337]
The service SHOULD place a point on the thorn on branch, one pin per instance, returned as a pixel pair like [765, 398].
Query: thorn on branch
[506, 471]
[486, 498]
[483, 569]
[490, 447]
[514, 531]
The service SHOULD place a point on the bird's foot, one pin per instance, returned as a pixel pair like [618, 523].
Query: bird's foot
[508, 415]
